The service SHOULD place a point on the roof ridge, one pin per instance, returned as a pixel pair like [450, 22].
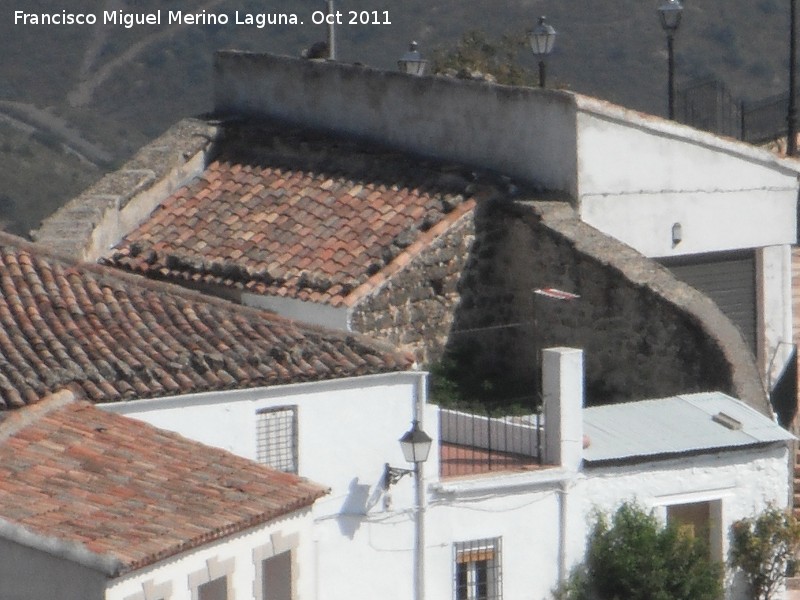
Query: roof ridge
[376, 281]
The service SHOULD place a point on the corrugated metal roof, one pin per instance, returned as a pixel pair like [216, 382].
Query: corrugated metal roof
[675, 425]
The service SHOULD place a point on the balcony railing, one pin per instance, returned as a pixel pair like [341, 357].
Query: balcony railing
[474, 443]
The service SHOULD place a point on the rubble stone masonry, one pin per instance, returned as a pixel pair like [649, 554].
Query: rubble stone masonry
[645, 333]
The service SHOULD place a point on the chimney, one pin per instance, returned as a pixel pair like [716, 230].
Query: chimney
[562, 383]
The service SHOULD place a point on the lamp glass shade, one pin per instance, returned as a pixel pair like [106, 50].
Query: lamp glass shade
[412, 62]
[542, 38]
[415, 444]
[669, 13]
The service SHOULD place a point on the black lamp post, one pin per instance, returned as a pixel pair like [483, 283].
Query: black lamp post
[542, 38]
[412, 62]
[669, 13]
[791, 116]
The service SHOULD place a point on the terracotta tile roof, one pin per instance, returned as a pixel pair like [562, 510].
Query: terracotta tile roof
[121, 336]
[127, 491]
[297, 214]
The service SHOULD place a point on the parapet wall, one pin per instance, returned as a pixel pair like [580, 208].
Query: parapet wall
[524, 133]
[88, 225]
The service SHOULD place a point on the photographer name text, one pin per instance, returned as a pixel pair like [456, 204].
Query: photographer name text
[178, 17]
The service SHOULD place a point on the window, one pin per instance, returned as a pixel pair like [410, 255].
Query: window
[477, 570]
[214, 581]
[276, 433]
[277, 577]
[699, 520]
[216, 589]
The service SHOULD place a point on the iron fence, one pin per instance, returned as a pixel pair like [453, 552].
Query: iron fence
[765, 120]
[474, 443]
[707, 104]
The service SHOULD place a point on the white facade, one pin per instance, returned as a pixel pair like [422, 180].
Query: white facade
[533, 522]
[240, 561]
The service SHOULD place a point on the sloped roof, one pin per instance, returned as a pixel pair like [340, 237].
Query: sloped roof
[300, 214]
[674, 426]
[118, 494]
[120, 336]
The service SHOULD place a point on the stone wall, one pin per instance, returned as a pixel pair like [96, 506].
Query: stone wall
[88, 225]
[645, 334]
[414, 309]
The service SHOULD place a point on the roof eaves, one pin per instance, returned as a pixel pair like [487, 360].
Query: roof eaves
[634, 459]
[71, 551]
[223, 532]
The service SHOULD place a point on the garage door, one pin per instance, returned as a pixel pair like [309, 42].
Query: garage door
[727, 278]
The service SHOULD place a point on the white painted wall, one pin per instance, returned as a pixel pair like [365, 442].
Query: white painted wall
[774, 273]
[239, 553]
[521, 132]
[638, 176]
[308, 312]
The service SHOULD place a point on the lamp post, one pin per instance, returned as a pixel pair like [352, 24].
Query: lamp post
[669, 13]
[791, 116]
[331, 30]
[542, 38]
[412, 62]
[416, 445]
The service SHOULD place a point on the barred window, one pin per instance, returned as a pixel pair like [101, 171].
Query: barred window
[276, 438]
[478, 575]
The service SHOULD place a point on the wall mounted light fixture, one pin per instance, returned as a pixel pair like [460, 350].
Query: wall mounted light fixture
[677, 234]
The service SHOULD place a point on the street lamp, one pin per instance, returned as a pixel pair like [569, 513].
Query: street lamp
[669, 13]
[542, 38]
[416, 445]
[412, 62]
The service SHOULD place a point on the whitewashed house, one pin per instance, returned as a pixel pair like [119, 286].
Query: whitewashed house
[703, 459]
[94, 506]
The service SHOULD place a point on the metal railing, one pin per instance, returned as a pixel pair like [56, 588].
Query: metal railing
[707, 104]
[474, 443]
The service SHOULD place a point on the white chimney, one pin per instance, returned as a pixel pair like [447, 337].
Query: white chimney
[562, 383]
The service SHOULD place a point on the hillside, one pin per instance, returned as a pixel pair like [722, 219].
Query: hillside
[77, 100]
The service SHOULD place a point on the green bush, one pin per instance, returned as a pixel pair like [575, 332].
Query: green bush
[764, 548]
[633, 557]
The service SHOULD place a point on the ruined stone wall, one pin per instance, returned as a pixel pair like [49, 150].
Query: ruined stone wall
[645, 334]
[414, 309]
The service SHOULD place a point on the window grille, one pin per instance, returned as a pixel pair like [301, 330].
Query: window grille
[478, 574]
[276, 433]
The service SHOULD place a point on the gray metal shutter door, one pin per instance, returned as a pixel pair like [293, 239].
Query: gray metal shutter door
[729, 279]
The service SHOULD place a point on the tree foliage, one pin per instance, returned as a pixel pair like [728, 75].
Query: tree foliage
[763, 547]
[633, 557]
[478, 56]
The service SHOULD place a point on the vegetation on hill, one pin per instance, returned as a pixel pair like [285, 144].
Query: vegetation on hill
[117, 87]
